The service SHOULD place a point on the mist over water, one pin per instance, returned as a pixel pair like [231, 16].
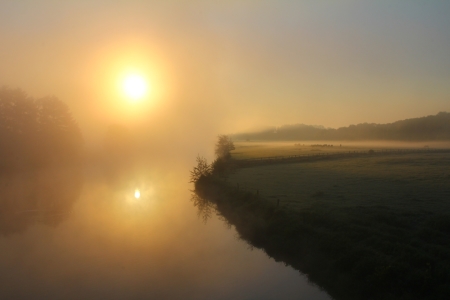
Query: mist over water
[94, 182]
[114, 245]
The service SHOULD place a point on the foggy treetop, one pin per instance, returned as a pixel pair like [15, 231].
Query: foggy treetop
[430, 128]
[36, 132]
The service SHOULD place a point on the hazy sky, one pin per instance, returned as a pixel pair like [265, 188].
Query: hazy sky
[222, 66]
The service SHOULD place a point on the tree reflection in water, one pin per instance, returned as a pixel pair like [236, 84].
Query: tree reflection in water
[205, 208]
[39, 196]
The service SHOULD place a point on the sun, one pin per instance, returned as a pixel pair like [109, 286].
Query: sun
[135, 86]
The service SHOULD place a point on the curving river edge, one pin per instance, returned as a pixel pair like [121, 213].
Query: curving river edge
[297, 239]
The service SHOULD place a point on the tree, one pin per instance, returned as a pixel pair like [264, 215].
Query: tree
[224, 146]
[58, 130]
[201, 170]
[19, 127]
[36, 132]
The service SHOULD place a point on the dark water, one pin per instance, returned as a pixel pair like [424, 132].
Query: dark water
[66, 236]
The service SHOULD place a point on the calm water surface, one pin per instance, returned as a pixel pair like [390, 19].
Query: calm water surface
[63, 239]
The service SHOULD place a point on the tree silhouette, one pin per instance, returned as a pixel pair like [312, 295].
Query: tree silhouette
[34, 133]
[201, 170]
[18, 126]
[58, 130]
[224, 146]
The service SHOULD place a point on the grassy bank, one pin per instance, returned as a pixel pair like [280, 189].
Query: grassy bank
[362, 228]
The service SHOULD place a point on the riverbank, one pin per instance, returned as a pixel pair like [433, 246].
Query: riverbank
[354, 250]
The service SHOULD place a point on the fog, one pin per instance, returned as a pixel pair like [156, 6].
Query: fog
[114, 220]
[228, 67]
[75, 146]
[110, 244]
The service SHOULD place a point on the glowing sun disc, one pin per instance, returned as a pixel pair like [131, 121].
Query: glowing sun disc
[137, 194]
[135, 86]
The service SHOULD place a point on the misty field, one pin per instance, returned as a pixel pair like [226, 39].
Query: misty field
[246, 150]
[418, 181]
[381, 220]
[259, 149]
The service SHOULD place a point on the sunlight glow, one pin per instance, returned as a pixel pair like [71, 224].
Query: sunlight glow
[135, 86]
[137, 194]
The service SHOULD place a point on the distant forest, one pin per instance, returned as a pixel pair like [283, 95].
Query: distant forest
[36, 132]
[430, 128]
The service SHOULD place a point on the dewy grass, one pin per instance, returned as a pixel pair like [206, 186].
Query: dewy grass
[410, 181]
[363, 228]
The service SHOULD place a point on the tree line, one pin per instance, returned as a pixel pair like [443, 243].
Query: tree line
[429, 128]
[36, 132]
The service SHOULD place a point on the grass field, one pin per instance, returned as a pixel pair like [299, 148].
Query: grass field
[382, 220]
[245, 150]
[406, 181]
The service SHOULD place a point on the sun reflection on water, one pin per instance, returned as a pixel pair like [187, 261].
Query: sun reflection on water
[139, 195]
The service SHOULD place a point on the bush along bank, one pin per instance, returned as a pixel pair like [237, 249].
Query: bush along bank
[339, 256]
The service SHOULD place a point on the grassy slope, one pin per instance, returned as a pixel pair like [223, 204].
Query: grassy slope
[382, 221]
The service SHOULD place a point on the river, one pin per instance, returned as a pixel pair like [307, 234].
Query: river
[133, 236]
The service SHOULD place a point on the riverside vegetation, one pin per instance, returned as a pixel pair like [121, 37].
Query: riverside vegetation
[361, 228]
